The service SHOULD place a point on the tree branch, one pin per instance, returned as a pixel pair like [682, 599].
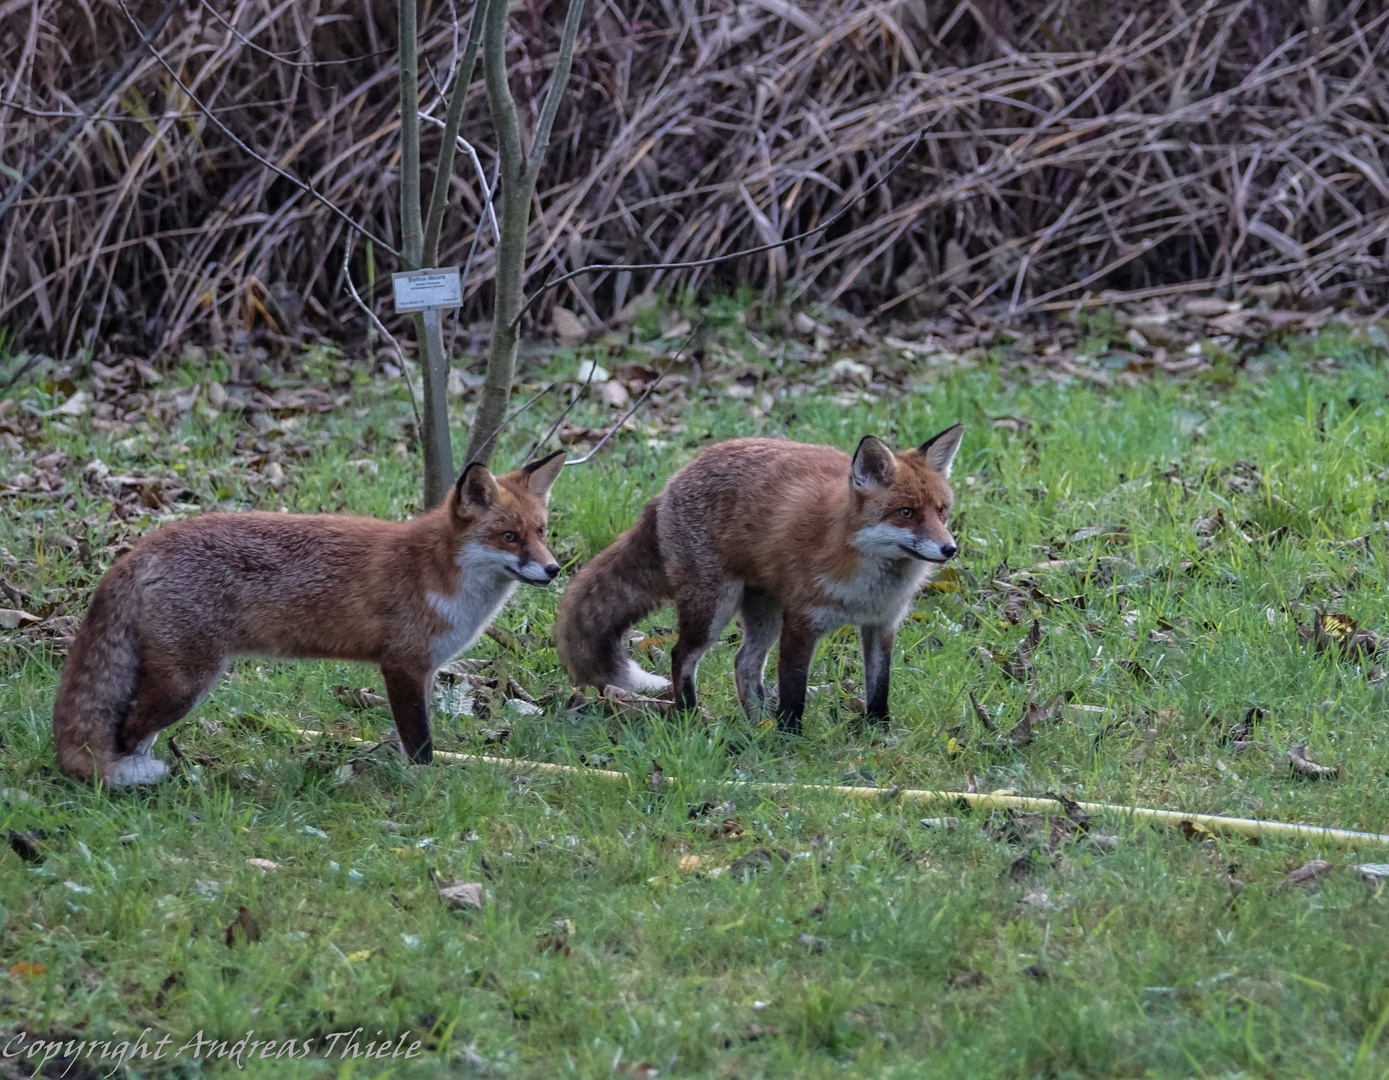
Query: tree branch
[381, 328]
[411, 228]
[453, 120]
[509, 280]
[559, 82]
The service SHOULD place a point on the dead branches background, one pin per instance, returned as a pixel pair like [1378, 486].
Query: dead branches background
[1069, 148]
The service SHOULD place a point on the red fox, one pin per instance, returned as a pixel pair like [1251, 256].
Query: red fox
[167, 618]
[800, 539]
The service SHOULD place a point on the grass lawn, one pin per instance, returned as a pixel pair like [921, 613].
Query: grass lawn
[1167, 536]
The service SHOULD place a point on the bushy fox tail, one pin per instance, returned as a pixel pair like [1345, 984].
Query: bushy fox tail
[619, 586]
[99, 681]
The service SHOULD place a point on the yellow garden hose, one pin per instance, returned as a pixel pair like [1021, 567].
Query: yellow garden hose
[1215, 823]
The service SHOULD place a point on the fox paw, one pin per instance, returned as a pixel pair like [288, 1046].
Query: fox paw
[136, 769]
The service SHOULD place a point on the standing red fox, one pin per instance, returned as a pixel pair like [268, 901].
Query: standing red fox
[802, 539]
[167, 618]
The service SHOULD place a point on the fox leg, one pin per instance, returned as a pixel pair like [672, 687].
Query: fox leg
[877, 665]
[702, 613]
[798, 638]
[168, 692]
[761, 625]
[407, 692]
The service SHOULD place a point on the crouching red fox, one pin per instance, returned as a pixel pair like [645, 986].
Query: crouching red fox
[799, 539]
[168, 617]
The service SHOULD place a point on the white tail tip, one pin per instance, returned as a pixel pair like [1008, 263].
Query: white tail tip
[135, 769]
[634, 678]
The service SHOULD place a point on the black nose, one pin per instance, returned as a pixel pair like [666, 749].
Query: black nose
[948, 550]
[551, 569]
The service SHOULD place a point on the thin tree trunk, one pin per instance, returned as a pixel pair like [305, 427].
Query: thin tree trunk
[411, 225]
[516, 184]
[435, 440]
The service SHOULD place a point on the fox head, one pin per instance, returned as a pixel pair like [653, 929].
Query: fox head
[902, 501]
[503, 518]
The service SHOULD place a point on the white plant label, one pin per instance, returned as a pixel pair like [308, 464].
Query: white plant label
[421, 289]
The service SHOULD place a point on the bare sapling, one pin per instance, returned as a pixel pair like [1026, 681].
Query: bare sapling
[520, 167]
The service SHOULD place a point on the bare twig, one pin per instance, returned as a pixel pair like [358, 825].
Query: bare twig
[543, 439]
[380, 329]
[453, 120]
[148, 43]
[516, 179]
[109, 87]
[489, 212]
[651, 389]
[730, 256]
[285, 60]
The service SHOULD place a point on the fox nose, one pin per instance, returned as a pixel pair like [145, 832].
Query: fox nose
[948, 550]
[551, 570]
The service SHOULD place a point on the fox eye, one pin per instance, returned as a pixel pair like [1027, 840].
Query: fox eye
[510, 537]
[906, 511]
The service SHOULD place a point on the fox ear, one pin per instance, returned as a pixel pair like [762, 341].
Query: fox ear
[939, 450]
[873, 467]
[476, 489]
[541, 475]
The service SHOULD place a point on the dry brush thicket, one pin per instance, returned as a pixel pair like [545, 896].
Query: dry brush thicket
[1052, 151]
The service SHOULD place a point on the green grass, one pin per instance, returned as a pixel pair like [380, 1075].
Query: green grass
[1151, 970]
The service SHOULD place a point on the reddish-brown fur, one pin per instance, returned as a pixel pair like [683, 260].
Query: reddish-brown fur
[167, 617]
[801, 539]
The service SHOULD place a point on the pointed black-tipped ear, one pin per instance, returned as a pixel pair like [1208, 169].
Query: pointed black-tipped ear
[476, 489]
[874, 465]
[541, 475]
[939, 450]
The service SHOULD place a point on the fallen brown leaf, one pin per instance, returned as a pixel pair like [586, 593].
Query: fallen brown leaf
[243, 929]
[364, 698]
[13, 618]
[756, 861]
[1020, 667]
[25, 845]
[1307, 769]
[1309, 872]
[979, 712]
[459, 894]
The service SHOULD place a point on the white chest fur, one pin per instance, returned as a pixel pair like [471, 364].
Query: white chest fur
[484, 586]
[878, 593]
